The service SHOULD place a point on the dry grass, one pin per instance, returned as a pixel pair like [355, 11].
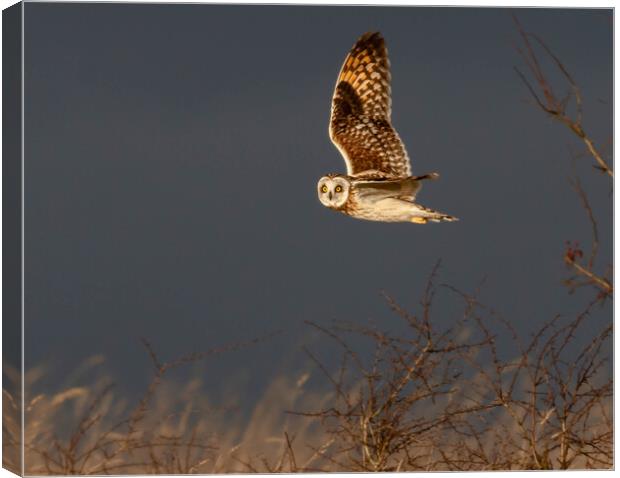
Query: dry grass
[172, 429]
[428, 399]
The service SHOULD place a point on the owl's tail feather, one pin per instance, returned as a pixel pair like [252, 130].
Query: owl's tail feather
[424, 215]
[443, 218]
[430, 176]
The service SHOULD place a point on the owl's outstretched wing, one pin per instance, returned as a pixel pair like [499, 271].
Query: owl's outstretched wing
[360, 124]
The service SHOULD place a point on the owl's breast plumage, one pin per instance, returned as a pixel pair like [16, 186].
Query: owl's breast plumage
[363, 205]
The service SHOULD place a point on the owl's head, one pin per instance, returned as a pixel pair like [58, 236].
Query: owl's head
[333, 190]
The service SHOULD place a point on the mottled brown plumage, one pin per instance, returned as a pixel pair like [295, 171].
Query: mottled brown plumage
[378, 185]
[360, 124]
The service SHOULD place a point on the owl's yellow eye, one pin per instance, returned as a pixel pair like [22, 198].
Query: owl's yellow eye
[324, 188]
[338, 189]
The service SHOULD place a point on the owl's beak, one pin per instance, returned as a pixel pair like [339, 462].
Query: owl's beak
[330, 195]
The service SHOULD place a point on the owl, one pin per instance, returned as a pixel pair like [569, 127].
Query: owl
[378, 185]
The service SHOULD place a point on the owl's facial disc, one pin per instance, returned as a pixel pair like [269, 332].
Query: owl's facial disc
[333, 191]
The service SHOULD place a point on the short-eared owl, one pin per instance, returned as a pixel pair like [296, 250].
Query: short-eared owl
[378, 185]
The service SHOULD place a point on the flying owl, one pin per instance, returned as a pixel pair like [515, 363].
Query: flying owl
[378, 185]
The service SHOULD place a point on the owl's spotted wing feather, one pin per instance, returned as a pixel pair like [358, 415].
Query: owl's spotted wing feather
[360, 124]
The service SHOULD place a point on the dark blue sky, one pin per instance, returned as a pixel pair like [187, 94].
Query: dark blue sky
[172, 152]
